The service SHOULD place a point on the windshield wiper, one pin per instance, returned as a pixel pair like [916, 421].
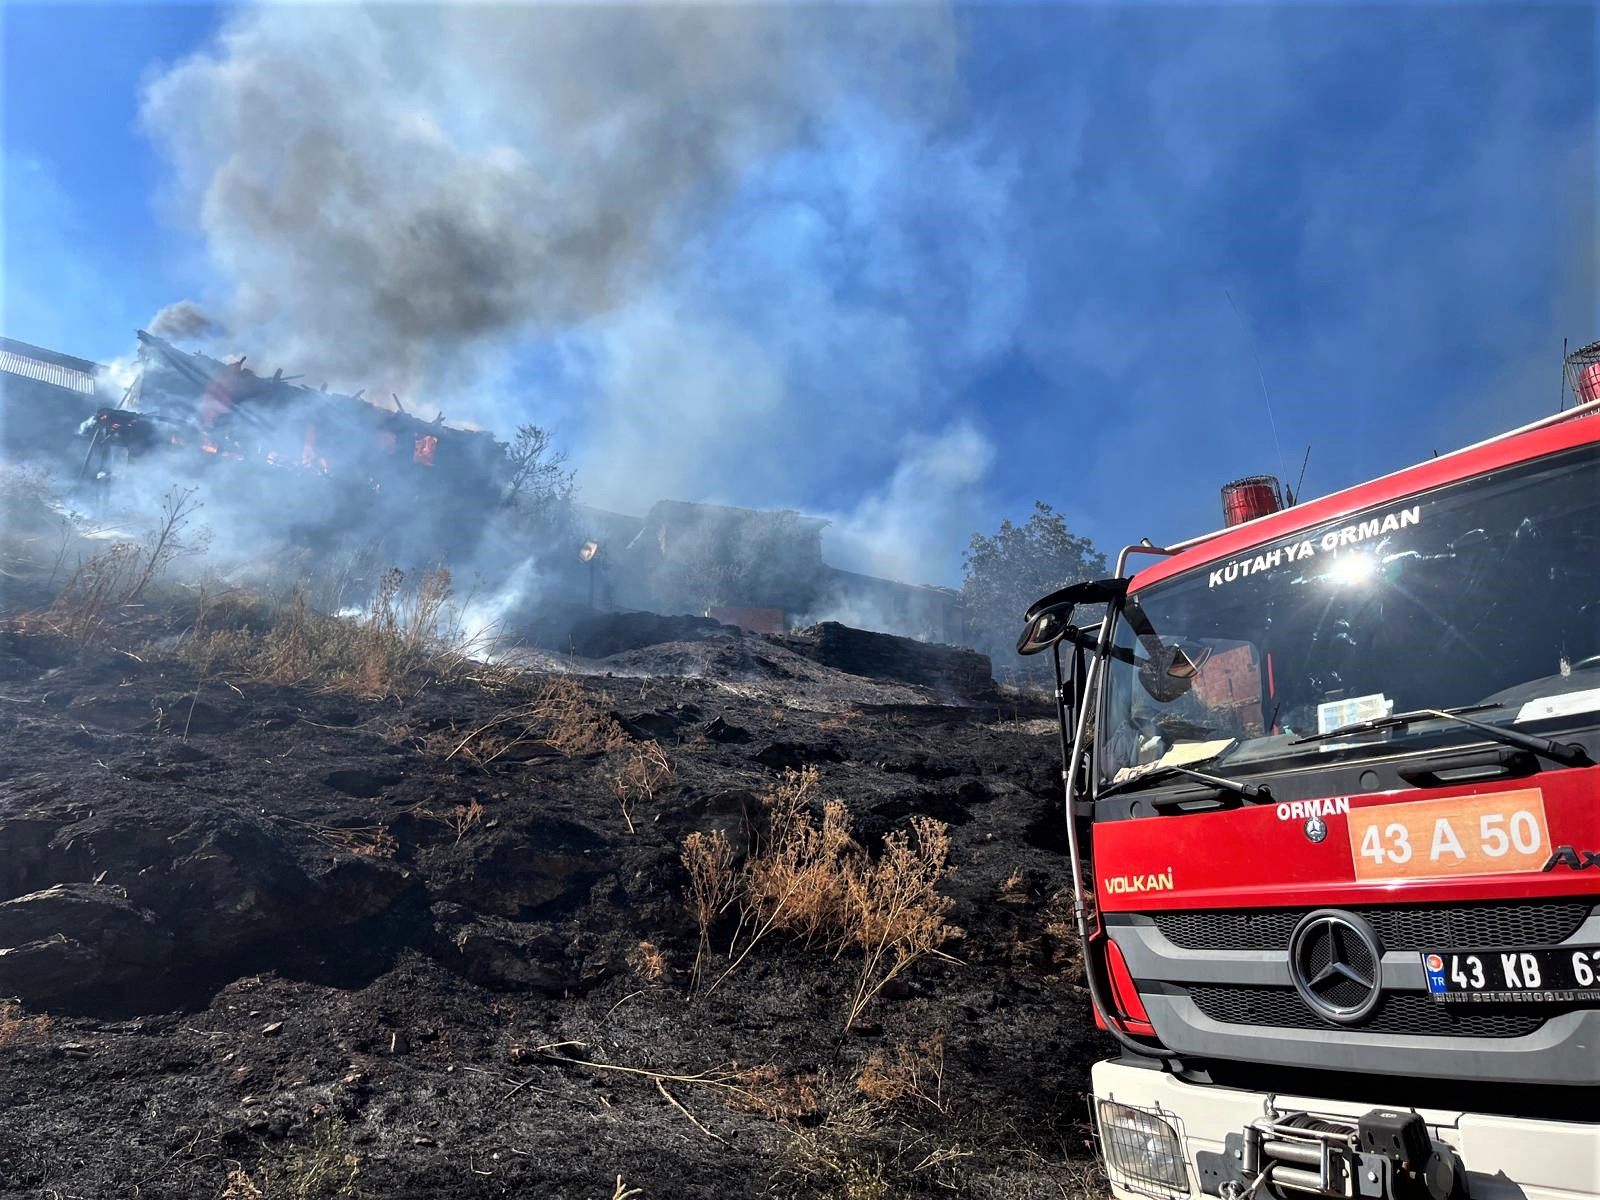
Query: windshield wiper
[1568, 754]
[1250, 791]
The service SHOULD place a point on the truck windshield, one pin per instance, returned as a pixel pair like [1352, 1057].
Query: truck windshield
[1483, 592]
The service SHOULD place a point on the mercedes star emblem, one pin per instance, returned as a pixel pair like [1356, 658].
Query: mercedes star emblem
[1335, 963]
[1316, 829]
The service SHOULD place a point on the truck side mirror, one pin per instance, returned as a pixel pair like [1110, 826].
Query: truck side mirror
[1045, 630]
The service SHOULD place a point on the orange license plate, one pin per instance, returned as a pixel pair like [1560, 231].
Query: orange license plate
[1459, 835]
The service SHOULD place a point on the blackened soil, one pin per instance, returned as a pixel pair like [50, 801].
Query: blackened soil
[277, 932]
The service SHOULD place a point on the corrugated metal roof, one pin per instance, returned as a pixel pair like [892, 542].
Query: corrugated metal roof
[55, 373]
[29, 350]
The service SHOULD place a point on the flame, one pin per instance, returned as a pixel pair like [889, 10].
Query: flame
[423, 454]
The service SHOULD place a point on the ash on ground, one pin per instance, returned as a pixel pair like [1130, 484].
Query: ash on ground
[271, 939]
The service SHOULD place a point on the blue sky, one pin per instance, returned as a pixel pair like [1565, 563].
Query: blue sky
[913, 304]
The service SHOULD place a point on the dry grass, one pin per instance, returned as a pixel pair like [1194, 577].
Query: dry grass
[575, 722]
[641, 775]
[16, 1029]
[648, 962]
[753, 1089]
[107, 587]
[770, 1093]
[908, 1077]
[33, 533]
[843, 720]
[895, 912]
[460, 819]
[239, 1186]
[411, 634]
[561, 714]
[321, 1169]
[708, 858]
[374, 841]
[810, 879]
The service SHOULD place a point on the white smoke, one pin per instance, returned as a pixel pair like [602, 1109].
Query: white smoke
[929, 504]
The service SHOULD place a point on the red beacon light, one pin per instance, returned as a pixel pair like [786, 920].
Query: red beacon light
[1589, 384]
[1251, 497]
[1583, 373]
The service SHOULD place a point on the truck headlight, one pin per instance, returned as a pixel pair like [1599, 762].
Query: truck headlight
[1142, 1147]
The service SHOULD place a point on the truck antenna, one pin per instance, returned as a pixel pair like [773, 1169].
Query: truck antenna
[1262, 376]
[1299, 484]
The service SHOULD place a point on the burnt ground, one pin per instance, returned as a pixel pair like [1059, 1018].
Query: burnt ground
[265, 946]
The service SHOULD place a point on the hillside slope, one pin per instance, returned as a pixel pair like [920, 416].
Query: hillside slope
[272, 940]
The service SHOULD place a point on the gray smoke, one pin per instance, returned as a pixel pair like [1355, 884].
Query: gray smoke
[709, 222]
[183, 321]
[389, 188]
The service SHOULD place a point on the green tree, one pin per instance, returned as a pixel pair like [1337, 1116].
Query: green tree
[538, 482]
[540, 490]
[1005, 572]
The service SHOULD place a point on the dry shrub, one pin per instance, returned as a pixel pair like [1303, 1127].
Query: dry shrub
[648, 962]
[810, 879]
[896, 914]
[908, 1077]
[95, 593]
[106, 586]
[641, 774]
[374, 841]
[708, 858]
[800, 879]
[561, 714]
[460, 818]
[19, 1030]
[575, 723]
[774, 1095]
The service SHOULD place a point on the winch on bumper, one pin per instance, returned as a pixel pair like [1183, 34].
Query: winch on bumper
[1161, 1137]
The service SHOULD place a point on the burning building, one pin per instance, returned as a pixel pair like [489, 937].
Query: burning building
[276, 456]
[227, 410]
[278, 460]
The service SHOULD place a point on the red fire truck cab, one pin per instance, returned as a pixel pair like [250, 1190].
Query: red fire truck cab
[1334, 815]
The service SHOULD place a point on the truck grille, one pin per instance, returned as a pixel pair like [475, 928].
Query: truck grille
[1397, 1012]
[1429, 927]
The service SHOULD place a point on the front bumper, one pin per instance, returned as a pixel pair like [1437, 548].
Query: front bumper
[1505, 1158]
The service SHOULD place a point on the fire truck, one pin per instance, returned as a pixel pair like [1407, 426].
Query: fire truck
[1333, 814]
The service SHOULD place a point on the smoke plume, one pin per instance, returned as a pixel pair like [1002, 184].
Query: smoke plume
[183, 320]
[691, 239]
